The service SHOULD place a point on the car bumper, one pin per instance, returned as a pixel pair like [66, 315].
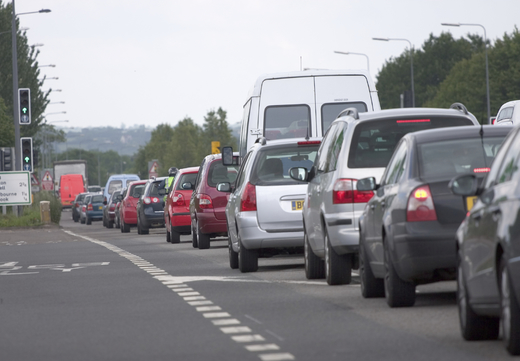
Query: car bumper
[253, 237]
[180, 219]
[94, 215]
[343, 231]
[153, 218]
[208, 223]
[424, 251]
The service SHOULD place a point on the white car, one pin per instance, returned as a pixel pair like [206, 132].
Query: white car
[509, 113]
[264, 211]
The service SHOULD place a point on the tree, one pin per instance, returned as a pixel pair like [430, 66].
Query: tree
[6, 127]
[216, 128]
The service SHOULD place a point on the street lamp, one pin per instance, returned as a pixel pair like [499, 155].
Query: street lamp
[54, 113]
[51, 65]
[350, 52]
[53, 78]
[57, 103]
[487, 72]
[411, 61]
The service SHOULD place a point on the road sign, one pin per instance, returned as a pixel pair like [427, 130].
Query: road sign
[15, 188]
[47, 184]
[154, 170]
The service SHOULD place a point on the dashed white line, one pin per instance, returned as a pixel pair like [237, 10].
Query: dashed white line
[266, 347]
[247, 338]
[239, 329]
[276, 357]
[230, 321]
[216, 314]
[208, 308]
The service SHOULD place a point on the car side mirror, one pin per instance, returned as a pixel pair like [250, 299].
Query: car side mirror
[464, 185]
[227, 155]
[367, 184]
[187, 185]
[224, 187]
[300, 174]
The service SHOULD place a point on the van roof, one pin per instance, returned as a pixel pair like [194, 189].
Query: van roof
[124, 176]
[255, 91]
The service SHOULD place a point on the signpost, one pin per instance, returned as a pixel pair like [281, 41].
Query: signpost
[154, 170]
[47, 183]
[15, 188]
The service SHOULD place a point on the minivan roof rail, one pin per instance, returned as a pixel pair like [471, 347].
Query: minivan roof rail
[261, 140]
[350, 111]
[460, 107]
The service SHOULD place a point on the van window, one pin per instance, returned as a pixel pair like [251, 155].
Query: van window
[115, 185]
[373, 142]
[506, 113]
[287, 121]
[330, 111]
[245, 127]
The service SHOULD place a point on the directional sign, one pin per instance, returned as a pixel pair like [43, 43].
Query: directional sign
[15, 188]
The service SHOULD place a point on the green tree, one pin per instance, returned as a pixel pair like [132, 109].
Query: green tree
[216, 128]
[6, 127]
[185, 149]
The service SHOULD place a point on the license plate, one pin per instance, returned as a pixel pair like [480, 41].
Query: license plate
[470, 202]
[297, 205]
[100, 207]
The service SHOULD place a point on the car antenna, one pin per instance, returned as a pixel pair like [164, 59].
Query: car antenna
[307, 136]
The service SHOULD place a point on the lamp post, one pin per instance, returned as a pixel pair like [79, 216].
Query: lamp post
[16, 115]
[487, 71]
[352, 53]
[411, 61]
[50, 65]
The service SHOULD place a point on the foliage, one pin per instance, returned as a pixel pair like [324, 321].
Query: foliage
[6, 126]
[31, 216]
[55, 204]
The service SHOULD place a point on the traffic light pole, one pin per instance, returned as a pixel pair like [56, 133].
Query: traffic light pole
[16, 110]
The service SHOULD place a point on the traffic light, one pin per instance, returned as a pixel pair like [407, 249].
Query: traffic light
[27, 154]
[6, 159]
[24, 96]
[215, 147]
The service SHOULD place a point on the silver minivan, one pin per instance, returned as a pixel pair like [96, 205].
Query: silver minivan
[264, 211]
[357, 145]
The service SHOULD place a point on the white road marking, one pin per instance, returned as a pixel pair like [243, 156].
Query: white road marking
[229, 321]
[194, 298]
[266, 347]
[208, 308]
[253, 319]
[239, 329]
[276, 357]
[247, 338]
[183, 289]
[200, 303]
[216, 315]
[182, 294]
[274, 334]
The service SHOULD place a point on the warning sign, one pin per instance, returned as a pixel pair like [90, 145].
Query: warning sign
[47, 184]
[154, 170]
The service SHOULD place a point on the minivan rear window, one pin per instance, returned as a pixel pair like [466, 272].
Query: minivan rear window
[373, 142]
[187, 178]
[287, 121]
[330, 111]
[219, 173]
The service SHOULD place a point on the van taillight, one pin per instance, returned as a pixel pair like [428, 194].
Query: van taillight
[205, 201]
[420, 205]
[345, 191]
[248, 202]
[178, 199]
[89, 207]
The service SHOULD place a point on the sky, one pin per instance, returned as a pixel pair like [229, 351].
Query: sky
[123, 63]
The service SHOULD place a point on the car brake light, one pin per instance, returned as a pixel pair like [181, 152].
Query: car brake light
[178, 199]
[248, 202]
[205, 201]
[420, 205]
[310, 142]
[147, 200]
[414, 121]
[481, 170]
[345, 191]
[89, 207]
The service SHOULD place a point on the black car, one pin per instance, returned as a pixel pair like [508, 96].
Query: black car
[488, 249]
[150, 206]
[109, 210]
[407, 229]
[76, 206]
[117, 219]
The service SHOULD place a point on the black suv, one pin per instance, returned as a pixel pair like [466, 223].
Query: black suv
[150, 206]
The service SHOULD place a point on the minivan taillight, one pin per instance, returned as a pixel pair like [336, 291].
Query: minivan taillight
[89, 207]
[205, 201]
[178, 199]
[345, 191]
[248, 202]
[420, 205]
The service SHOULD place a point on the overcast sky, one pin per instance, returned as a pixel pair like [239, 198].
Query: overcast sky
[158, 61]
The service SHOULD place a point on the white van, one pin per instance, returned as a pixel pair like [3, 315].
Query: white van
[297, 104]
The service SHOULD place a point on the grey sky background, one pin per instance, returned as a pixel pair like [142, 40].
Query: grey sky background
[150, 62]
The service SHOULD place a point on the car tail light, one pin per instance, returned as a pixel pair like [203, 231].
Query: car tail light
[149, 200]
[310, 142]
[345, 191]
[178, 199]
[248, 202]
[89, 207]
[481, 170]
[420, 205]
[205, 201]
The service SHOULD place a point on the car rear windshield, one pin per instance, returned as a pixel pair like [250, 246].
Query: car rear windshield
[80, 197]
[329, 112]
[373, 142]
[187, 178]
[448, 158]
[271, 166]
[137, 190]
[97, 199]
[287, 121]
[219, 173]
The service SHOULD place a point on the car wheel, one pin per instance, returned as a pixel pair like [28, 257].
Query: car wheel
[175, 237]
[89, 221]
[338, 268]
[75, 217]
[125, 228]
[398, 293]
[314, 265]
[82, 221]
[233, 256]
[473, 326]
[104, 221]
[194, 240]
[202, 239]
[371, 287]
[510, 311]
[110, 224]
[144, 227]
[247, 258]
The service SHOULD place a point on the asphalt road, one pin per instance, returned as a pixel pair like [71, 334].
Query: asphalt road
[89, 293]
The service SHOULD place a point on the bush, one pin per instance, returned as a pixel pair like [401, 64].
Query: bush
[31, 214]
[54, 203]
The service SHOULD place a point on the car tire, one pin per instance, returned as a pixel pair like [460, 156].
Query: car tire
[89, 221]
[233, 256]
[338, 268]
[371, 287]
[194, 241]
[125, 228]
[247, 259]
[473, 326]
[398, 293]
[202, 239]
[509, 311]
[82, 221]
[175, 237]
[314, 265]
[75, 218]
[110, 224]
[144, 228]
[138, 226]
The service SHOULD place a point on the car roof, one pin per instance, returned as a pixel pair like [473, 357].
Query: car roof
[212, 157]
[188, 170]
[450, 133]
[286, 141]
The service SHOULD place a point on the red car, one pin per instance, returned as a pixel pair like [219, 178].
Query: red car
[176, 211]
[207, 205]
[128, 206]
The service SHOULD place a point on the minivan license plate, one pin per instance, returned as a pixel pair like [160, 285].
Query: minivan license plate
[297, 205]
[470, 202]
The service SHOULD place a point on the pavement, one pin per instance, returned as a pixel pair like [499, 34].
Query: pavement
[49, 233]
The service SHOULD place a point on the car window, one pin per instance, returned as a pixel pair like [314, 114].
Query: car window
[330, 111]
[219, 173]
[241, 172]
[271, 166]
[396, 167]
[321, 160]
[115, 185]
[373, 142]
[505, 113]
[509, 166]
[335, 148]
[137, 190]
[493, 175]
[448, 158]
[187, 178]
[287, 121]
[98, 199]
[199, 174]
[153, 191]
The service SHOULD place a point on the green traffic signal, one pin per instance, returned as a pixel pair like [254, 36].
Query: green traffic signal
[27, 159]
[24, 110]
